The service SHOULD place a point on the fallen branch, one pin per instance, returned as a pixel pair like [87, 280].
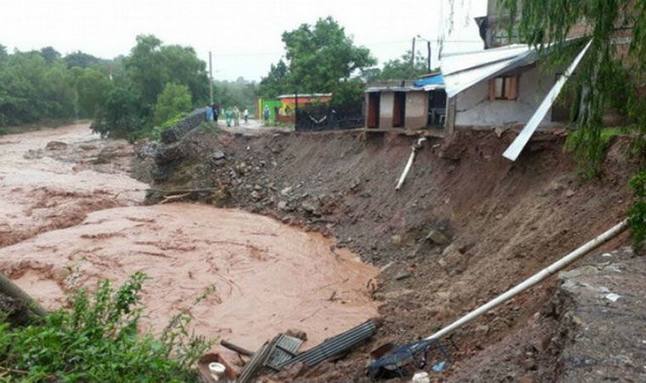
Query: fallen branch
[12, 290]
[236, 348]
[172, 198]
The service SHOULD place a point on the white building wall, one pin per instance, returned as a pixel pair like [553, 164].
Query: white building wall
[473, 107]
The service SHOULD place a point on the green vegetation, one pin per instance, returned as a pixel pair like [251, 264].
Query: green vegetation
[606, 77]
[131, 107]
[241, 93]
[637, 214]
[173, 101]
[401, 68]
[97, 341]
[320, 58]
[121, 94]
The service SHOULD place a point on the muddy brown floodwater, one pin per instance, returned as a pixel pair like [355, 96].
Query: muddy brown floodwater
[268, 277]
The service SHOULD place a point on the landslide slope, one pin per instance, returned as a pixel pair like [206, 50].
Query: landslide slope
[467, 225]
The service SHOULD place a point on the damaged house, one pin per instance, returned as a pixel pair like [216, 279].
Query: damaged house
[409, 105]
[498, 87]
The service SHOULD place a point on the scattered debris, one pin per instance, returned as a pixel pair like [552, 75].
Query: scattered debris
[421, 377]
[612, 297]
[335, 346]
[56, 145]
[212, 363]
[283, 348]
[412, 355]
[437, 237]
[253, 367]
[236, 348]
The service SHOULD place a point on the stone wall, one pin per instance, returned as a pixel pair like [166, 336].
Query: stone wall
[192, 121]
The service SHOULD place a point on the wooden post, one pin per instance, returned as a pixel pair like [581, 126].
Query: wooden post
[12, 290]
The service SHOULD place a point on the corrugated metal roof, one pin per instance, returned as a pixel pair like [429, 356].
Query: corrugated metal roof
[462, 71]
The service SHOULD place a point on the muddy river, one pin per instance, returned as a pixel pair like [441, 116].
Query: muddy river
[70, 215]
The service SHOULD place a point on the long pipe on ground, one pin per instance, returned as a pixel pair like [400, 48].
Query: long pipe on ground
[534, 279]
[12, 290]
[414, 150]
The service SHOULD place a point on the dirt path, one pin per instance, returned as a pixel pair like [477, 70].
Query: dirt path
[268, 277]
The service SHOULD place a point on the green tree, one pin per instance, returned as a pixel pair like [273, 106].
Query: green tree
[402, 69]
[151, 65]
[240, 92]
[182, 66]
[50, 54]
[21, 79]
[605, 77]
[174, 100]
[92, 87]
[80, 59]
[276, 82]
[320, 58]
[120, 116]
[3, 53]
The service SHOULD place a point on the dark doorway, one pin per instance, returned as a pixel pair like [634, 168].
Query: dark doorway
[399, 109]
[374, 100]
[436, 108]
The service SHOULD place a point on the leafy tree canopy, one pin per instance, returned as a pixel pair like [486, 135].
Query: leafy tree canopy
[151, 65]
[82, 60]
[276, 82]
[240, 93]
[320, 58]
[50, 54]
[607, 76]
[402, 69]
[174, 100]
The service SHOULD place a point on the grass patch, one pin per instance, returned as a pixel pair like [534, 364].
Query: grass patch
[637, 213]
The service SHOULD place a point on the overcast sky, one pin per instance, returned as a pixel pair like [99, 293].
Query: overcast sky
[244, 35]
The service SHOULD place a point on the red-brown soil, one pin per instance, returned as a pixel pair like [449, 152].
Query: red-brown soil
[501, 222]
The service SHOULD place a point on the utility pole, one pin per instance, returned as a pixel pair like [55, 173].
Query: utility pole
[296, 110]
[412, 55]
[211, 77]
[428, 46]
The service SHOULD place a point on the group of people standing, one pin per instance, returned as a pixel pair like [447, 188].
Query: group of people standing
[231, 115]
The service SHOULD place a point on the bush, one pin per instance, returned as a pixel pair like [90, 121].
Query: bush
[97, 341]
[174, 100]
[637, 214]
[120, 116]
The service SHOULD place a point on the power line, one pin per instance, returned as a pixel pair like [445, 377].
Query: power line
[402, 42]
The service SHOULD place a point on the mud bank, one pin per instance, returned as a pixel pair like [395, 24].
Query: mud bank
[467, 225]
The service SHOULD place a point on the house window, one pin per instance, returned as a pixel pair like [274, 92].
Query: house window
[503, 88]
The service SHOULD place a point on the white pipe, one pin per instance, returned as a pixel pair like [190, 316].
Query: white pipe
[409, 163]
[534, 279]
